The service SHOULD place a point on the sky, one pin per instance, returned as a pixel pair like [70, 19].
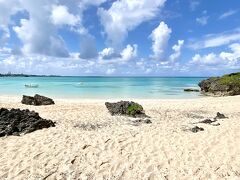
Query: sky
[120, 37]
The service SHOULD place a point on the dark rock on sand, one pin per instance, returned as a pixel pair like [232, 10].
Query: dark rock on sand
[37, 100]
[146, 121]
[227, 85]
[220, 116]
[196, 129]
[191, 90]
[29, 100]
[126, 108]
[211, 122]
[16, 122]
[207, 121]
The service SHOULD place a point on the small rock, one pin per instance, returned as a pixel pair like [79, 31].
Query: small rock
[147, 121]
[220, 116]
[217, 124]
[191, 90]
[207, 121]
[37, 100]
[196, 129]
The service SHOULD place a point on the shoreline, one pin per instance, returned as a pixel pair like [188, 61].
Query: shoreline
[79, 99]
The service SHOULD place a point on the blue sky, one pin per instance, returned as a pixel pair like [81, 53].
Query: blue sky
[124, 37]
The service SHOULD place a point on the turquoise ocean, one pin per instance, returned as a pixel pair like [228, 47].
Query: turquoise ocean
[102, 87]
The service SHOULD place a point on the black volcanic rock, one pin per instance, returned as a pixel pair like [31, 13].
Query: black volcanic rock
[37, 100]
[128, 108]
[220, 116]
[191, 90]
[196, 129]
[227, 85]
[16, 122]
[29, 100]
[42, 100]
[207, 121]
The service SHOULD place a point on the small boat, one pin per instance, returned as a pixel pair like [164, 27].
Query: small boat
[80, 84]
[31, 85]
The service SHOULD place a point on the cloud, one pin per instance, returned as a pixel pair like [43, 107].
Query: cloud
[42, 64]
[109, 53]
[73, 65]
[7, 9]
[177, 51]
[127, 54]
[202, 20]
[5, 52]
[39, 38]
[193, 4]
[88, 48]
[37, 34]
[77, 9]
[126, 15]
[209, 59]
[60, 16]
[223, 60]
[160, 37]
[215, 40]
[111, 71]
[232, 56]
[228, 14]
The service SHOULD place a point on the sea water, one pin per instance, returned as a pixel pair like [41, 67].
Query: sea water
[102, 87]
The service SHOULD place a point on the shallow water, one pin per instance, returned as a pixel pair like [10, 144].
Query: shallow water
[102, 87]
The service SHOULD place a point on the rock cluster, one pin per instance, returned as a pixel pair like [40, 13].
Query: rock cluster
[196, 129]
[227, 85]
[37, 100]
[16, 122]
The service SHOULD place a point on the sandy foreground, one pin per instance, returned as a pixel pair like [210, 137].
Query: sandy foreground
[88, 143]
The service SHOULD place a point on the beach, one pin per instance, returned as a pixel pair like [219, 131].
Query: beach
[89, 143]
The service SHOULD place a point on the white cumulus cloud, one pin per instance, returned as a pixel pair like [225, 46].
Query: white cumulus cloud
[224, 60]
[129, 52]
[177, 51]
[209, 59]
[38, 35]
[109, 55]
[160, 37]
[60, 16]
[125, 15]
[234, 55]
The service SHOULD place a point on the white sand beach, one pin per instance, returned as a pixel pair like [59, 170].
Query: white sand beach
[89, 143]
